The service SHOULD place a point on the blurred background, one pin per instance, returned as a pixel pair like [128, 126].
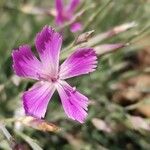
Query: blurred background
[119, 90]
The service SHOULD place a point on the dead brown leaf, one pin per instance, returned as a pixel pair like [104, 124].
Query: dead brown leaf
[39, 124]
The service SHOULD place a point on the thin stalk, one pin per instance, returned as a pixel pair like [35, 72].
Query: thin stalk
[11, 141]
[93, 17]
[5, 132]
[138, 35]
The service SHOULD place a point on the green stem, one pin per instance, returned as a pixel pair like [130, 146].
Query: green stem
[5, 132]
[93, 17]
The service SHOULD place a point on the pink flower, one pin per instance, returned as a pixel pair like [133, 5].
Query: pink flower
[66, 13]
[50, 76]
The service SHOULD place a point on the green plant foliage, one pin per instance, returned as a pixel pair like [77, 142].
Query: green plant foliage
[19, 26]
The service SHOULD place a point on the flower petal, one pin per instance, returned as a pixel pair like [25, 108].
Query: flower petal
[74, 103]
[60, 11]
[73, 5]
[36, 99]
[48, 44]
[82, 61]
[59, 5]
[76, 27]
[25, 64]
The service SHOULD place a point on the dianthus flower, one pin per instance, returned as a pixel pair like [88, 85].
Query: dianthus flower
[50, 76]
[66, 13]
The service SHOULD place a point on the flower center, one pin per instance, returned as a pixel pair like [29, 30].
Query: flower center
[66, 16]
[48, 78]
[54, 79]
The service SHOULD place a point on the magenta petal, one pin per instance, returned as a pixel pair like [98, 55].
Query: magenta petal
[59, 5]
[82, 61]
[74, 103]
[76, 27]
[73, 5]
[60, 11]
[59, 20]
[36, 99]
[25, 64]
[65, 13]
[48, 44]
